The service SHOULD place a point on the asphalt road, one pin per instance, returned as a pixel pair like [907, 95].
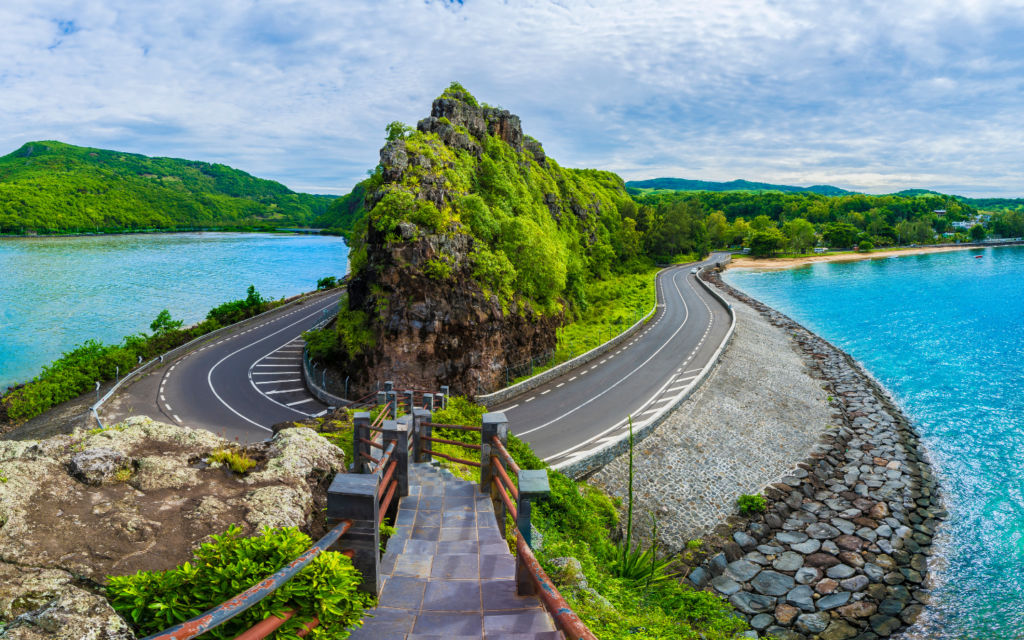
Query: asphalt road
[242, 383]
[238, 384]
[573, 414]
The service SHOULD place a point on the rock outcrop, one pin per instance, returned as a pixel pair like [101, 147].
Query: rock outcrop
[139, 496]
[435, 322]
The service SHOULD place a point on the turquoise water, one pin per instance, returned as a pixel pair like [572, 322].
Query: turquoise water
[58, 292]
[945, 334]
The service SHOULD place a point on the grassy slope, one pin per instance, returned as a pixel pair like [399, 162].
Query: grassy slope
[52, 185]
[680, 184]
[344, 212]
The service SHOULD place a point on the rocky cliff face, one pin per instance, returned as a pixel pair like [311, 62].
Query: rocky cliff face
[435, 331]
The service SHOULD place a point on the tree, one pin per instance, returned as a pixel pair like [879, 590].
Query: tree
[397, 130]
[164, 323]
[865, 246]
[740, 231]
[800, 233]
[977, 233]
[718, 228]
[765, 244]
[762, 223]
[840, 234]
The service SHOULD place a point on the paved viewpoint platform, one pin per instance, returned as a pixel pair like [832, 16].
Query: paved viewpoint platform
[448, 573]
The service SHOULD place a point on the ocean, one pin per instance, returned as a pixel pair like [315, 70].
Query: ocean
[945, 334]
[56, 293]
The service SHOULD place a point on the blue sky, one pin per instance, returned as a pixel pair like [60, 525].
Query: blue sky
[867, 95]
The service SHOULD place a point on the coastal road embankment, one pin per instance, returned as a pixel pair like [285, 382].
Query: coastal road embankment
[570, 416]
[238, 384]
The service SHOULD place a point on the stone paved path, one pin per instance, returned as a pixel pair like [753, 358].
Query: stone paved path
[448, 573]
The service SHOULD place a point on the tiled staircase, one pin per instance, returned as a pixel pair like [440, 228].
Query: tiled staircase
[448, 573]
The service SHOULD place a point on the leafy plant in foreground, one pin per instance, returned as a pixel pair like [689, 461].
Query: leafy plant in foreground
[751, 504]
[326, 588]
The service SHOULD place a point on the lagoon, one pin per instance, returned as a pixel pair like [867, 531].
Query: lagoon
[56, 293]
[945, 334]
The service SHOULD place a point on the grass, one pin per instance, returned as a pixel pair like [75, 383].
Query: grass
[237, 461]
[614, 305]
[123, 475]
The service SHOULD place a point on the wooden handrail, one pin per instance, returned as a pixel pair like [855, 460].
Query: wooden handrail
[505, 499]
[455, 442]
[452, 458]
[504, 478]
[451, 426]
[505, 454]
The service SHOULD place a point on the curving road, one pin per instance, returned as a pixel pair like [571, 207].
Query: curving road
[237, 384]
[241, 383]
[576, 413]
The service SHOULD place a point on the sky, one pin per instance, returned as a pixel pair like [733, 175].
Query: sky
[873, 96]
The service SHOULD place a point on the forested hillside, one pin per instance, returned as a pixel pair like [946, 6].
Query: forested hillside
[56, 186]
[680, 184]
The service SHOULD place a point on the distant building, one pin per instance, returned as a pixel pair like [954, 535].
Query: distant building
[940, 212]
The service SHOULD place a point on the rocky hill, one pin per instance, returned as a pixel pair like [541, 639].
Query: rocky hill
[475, 247]
[141, 495]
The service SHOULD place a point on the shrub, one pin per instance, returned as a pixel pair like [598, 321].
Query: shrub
[751, 504]
[865, 246]
[437, 270]
[493, 269]
[328, 282]
[164, 323]
[237, 461]
[444, 120]
[220, 570]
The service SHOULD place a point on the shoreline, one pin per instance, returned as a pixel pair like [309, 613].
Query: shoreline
[850, 540]
[881, 254]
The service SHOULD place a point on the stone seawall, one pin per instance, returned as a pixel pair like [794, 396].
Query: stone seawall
[843, 551]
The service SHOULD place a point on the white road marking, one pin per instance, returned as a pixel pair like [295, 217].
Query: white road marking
[162, 398]
[276, 381]
[168, 407]
[531, 399]
[177, 419]
[572, 378]
[543, 392]
[292, 366]
[560, 384]
[292, 404]
[510, 408]
[270, 393]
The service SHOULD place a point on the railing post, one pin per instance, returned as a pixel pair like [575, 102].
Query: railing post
[392, 397]
[428, 402]
[439, 401]
[354, 497]
[419, 416]
[388, 385]
[410, 396]
[494, 424]
[382, 398]
[360, 429]
[428, 431]
[533, 484]
[398, 430]
[444, 396]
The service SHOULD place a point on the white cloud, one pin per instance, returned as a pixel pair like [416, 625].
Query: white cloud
[865, 95]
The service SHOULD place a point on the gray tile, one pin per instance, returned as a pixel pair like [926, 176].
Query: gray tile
[460, 489]
[387, 563]
[449, 624]
[422, 547]
[428, 518]
[483, 503]
[425, 533]
[454, 504]
[405, 517]
[452, 595]
[430, 503]
[402, 532]
[501, 595]
[385, 624]
[493, 567]
[431, 490]
[458, 534]
[456, 567]
[495, 547]
[457, 546]
[489, 534]
[402, 592]
[528, 621]
[413, 566]
[458, 520]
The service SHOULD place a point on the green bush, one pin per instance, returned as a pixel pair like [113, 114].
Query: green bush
[751, 504]
[437, 270]
[865, 246]
[220, 570]
[349, 336]
[328, 282]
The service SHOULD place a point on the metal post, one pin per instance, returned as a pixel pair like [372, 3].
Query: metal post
[410, 396]
[428, 402]
[444, 397]
[117, 374]
[494, 424]
[360, 429]
[97, 391]
[381, 398]
[346, 387]
[388, 386]
[354, 497]
[419, 416]
[398, 430]
[533, 485]
[391, 397]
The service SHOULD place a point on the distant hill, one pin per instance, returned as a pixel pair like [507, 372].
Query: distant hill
[344, 212]
[913, 193]
[680, 184]
[52, 185]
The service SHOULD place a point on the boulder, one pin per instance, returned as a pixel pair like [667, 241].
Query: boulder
[97, 466]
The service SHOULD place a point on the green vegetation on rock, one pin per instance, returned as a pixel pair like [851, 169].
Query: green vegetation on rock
[52, 186]
[220, 570]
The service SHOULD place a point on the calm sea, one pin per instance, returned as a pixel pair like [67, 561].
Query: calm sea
[945, 334]
[58, 292]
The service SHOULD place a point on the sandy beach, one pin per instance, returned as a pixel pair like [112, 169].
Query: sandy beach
[740, 261]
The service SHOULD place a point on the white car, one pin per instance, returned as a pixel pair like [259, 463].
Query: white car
[693, 270]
